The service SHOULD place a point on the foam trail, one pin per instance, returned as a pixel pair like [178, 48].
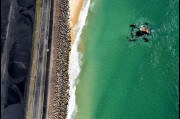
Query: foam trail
[74, 62]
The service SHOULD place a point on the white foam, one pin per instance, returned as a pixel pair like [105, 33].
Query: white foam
[92, 5]
[74, 62]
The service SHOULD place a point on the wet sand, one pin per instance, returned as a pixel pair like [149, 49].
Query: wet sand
[75, 8]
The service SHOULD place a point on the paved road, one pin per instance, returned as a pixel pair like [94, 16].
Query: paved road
[5, 55]
[42, 62]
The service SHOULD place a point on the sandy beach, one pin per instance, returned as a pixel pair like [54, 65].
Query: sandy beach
[78, 14]
[75, 8]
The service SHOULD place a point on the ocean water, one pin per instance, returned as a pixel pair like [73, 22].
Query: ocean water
[119, 79]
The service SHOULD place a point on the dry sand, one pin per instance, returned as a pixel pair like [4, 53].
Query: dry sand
[75, 8]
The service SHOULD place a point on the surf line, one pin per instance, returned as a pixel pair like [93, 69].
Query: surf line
[74, 61]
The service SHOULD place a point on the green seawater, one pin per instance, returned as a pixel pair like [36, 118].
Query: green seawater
[129, 80]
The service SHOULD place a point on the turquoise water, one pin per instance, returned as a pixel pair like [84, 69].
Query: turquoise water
[129, 80]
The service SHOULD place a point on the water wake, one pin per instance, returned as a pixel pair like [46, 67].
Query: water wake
[74, 63]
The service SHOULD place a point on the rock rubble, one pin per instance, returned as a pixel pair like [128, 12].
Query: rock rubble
[61, 88]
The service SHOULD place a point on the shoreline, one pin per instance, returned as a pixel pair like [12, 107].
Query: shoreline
[77, 25]
[75, 9]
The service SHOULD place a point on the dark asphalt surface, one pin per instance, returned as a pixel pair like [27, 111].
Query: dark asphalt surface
[16, 43]
[16, 56]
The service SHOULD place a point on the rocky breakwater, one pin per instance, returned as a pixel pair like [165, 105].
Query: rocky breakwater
[62, 49]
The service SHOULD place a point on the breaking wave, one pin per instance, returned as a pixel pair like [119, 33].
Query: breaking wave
[74, 62]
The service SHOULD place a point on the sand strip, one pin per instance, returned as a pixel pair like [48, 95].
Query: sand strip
[75, 8]
[77, 25]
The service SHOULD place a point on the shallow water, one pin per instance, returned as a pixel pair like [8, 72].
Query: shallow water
[129, 80]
